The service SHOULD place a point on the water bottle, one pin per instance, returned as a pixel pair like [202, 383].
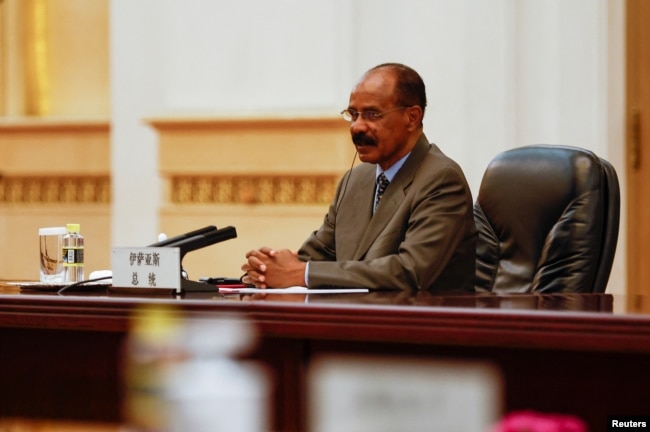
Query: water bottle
[185, 374]
[73, 254]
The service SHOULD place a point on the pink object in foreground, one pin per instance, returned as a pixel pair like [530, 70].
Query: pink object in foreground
[530, 421]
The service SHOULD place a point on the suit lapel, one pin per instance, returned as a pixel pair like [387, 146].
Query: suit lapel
[392, 198]
[357, 214]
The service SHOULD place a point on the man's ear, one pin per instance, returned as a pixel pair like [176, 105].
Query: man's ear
[415, 117]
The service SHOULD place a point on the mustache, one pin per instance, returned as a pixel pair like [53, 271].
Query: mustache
[361, 138]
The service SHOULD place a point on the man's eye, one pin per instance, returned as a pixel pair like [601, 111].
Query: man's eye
[371, 115]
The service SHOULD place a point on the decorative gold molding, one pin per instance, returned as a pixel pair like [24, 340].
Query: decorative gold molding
[55, 125]
[242, 189]
[246, 121]
[36, 55]
[55, 190]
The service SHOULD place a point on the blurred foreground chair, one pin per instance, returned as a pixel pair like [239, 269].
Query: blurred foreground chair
[547, 219]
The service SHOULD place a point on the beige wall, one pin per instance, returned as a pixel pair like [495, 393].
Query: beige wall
[54, 58]
[52, 173]
[54, 133]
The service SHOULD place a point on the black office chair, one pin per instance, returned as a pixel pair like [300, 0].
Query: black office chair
[547, 219]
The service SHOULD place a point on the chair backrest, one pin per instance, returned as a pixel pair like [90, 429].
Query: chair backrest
[547, 219]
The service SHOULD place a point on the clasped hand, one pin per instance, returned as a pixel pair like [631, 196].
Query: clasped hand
[271, 268]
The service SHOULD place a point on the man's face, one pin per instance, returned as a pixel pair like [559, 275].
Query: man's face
[384, 140]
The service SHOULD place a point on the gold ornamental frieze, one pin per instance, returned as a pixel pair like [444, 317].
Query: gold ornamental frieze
[242, 189]
[55, 190]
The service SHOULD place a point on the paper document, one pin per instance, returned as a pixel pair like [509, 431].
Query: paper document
[290, 290]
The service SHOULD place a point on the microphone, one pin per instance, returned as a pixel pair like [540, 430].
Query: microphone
[199, 241]
[186, 235]
[345, 186]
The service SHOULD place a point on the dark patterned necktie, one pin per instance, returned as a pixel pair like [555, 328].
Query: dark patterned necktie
[382, 184]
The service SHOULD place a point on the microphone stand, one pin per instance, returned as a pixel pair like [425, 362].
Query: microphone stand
[188, 242]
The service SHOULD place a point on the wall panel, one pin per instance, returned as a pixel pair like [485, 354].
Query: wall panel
[53, 173]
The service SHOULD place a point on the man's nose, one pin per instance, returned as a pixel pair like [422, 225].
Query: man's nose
[358, 125]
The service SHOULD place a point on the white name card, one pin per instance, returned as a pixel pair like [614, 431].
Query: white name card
[379, 394]
[148, 267]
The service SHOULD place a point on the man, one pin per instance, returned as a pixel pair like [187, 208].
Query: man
[417, 233]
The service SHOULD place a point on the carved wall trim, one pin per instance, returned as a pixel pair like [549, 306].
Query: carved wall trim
[280, 189]
[55, 190]
[243, 189]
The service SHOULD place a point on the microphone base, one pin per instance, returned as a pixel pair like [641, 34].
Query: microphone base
[189, 286]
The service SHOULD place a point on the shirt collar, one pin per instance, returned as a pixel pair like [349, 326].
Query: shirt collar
[390, 172]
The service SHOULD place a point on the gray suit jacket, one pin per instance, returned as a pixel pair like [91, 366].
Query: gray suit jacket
[422, 236]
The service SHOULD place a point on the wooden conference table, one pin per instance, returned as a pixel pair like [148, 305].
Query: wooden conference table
[61, 357]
